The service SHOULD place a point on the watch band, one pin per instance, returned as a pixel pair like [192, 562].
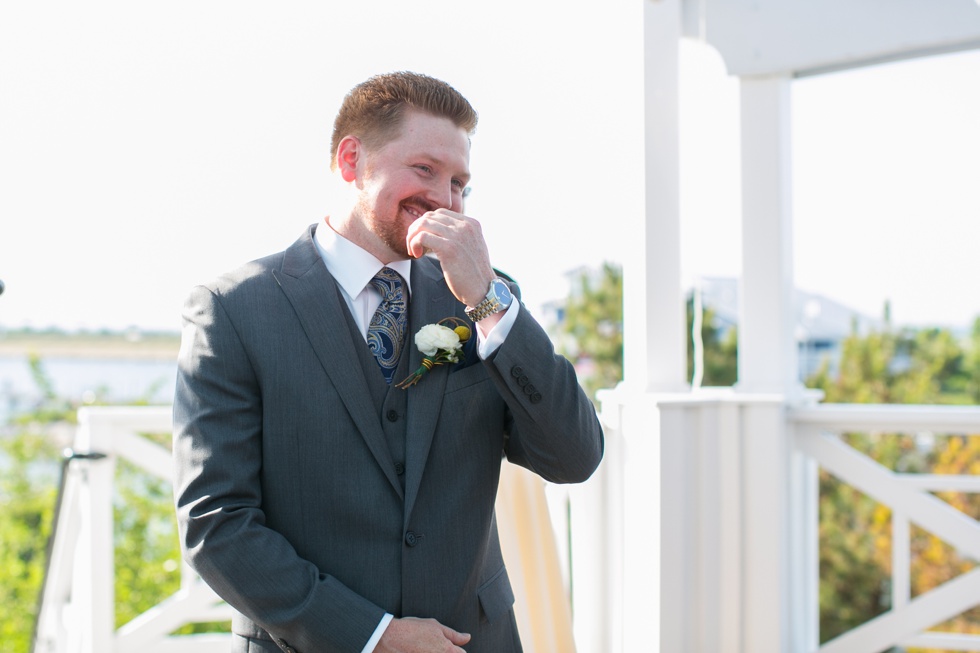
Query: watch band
[484, 309]
[499, 298]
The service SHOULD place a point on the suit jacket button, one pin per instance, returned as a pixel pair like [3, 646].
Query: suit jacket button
[411, 539]
[516, 371]
[399, 468]
[522, 380]
[536, 398]
[392, 415]
[529, 389]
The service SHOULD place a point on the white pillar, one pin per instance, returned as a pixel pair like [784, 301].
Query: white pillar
[648, 444]
[767, 358]
[93, 591]
[653, 310]
[766, 528]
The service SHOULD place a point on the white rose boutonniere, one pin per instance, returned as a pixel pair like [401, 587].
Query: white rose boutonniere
[439, 344]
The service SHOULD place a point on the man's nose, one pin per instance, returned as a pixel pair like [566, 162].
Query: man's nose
[440, 193]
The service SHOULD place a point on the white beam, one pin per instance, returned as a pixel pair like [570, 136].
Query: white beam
[765, 37]
[882, 485]
[924, 611]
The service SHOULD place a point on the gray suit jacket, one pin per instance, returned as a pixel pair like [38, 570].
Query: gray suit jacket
[290, 502]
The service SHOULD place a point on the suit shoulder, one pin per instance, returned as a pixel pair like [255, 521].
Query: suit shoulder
[250, 276]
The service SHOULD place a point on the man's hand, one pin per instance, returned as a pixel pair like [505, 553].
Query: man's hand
[458, 242]
[411, 635]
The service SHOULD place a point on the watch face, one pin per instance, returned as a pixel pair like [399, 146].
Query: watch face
[502, 292]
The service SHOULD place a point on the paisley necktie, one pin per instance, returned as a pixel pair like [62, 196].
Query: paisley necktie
[386, 333]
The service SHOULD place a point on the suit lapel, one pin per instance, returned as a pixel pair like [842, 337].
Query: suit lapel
[314, 296]
[431, 301]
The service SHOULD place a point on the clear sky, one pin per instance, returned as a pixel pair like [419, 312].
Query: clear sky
[145, 148]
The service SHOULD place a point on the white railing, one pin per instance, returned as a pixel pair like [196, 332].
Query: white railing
[77, 612]
[700, 528]
[816, 435]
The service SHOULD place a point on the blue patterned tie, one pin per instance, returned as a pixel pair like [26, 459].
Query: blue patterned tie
[386, 332]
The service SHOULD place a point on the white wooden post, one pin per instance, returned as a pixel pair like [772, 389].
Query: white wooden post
[778, 573]
[767, 359]
[653, 309]
[721, 545]
[804, 556]
[654, 353]
[596, 557]
[765, 527]
[93, 594]
[644, 616]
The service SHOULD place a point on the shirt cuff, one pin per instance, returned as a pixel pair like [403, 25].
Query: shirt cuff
[486, 346]
[378, 632]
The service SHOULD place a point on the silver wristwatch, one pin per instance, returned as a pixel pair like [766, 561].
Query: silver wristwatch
[499, 298]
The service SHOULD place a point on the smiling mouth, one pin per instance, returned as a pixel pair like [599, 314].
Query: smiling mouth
[416, 208]
[413, 211]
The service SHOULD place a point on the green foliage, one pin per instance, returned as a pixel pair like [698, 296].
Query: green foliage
[971, 365]
[592, 333]
[147, 549]
[593, 326]
[898, 367]
[29, 471]
[28, 482]
[720, 349]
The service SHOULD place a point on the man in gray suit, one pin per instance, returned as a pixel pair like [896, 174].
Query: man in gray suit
[333, 509]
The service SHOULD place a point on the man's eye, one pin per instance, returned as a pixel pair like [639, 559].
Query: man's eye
[423, 168]
[458, 184]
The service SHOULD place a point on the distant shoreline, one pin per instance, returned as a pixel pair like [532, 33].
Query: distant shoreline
[116, 346]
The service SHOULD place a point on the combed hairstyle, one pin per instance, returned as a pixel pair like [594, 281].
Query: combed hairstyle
[373, 110]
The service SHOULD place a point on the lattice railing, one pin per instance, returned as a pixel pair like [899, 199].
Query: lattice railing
[817, 432]
[77, 612]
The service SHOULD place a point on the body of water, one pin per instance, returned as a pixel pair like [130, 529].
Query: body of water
[117, 380]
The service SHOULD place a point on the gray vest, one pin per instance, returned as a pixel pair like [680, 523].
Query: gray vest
[391, 403]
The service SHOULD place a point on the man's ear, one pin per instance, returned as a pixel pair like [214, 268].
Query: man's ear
[349, 153]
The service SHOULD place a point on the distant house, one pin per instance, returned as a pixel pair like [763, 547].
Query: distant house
[822, 323]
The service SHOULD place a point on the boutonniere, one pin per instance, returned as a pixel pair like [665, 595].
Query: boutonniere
[439, 344]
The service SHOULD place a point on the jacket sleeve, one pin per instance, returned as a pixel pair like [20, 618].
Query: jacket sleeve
[218, 493]
[553, 429]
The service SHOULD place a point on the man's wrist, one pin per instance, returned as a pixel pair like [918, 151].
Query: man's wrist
[378, 633]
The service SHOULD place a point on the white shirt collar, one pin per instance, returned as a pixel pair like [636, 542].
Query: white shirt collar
[351, 265]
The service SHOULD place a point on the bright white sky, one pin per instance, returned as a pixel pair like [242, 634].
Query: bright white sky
[148, 147]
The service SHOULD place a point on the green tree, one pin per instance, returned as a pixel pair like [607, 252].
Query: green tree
[972, 365]
[591, 333]
[592, 327]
